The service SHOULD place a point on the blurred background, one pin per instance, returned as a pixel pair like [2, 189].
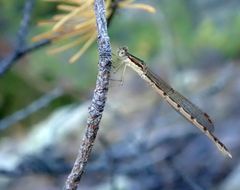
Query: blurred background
[142, 142]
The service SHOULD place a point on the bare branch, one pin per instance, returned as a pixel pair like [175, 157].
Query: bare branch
[32, 108]
[23, 30]
[20, 48]
[98, 101]
[6, 63]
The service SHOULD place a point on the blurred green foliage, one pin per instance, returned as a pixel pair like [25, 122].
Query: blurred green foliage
[226, 40]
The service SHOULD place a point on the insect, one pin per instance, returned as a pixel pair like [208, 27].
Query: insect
[181, 104]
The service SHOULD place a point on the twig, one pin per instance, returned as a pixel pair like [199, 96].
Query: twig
[24, 26]
[32, 108]
[99, 97]
[20, 48]
[114, 9]
[21, 36]
[6, 63]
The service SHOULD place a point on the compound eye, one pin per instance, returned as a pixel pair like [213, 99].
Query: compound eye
[121, 53]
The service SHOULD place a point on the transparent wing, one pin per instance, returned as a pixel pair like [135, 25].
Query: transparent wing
[193, 110]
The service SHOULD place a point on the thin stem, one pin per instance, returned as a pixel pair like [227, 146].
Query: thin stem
[6, 63]
[98, 101]
[35, 106]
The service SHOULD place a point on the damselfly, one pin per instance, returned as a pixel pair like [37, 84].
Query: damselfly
[181, 104]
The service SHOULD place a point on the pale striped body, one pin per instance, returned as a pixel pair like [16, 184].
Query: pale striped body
[181, 104]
